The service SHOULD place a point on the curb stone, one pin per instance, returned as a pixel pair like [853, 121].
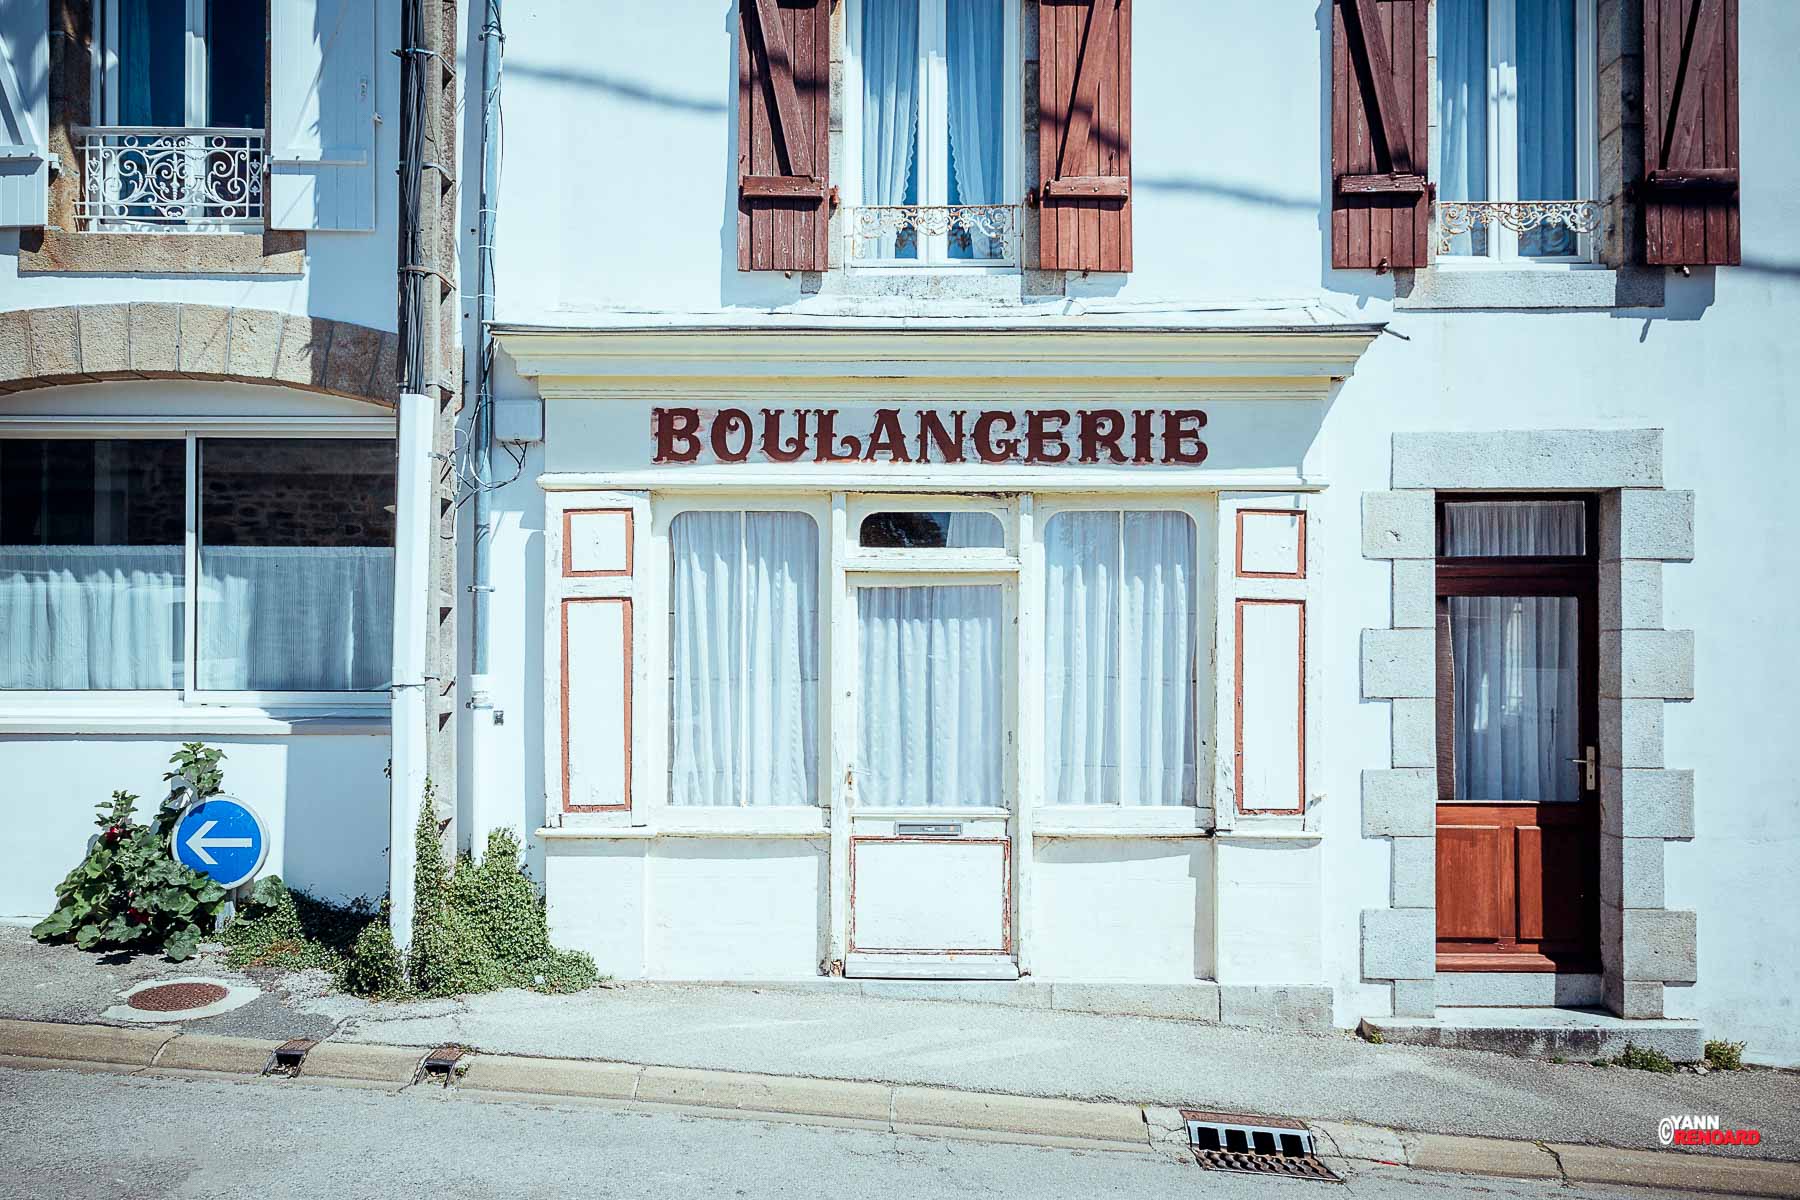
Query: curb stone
[903, 1108]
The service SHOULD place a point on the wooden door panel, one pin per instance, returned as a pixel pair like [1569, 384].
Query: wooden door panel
[1554, 888]
[1470, 882]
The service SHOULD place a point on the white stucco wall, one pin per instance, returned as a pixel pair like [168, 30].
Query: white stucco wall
[347, 276]
[634, 220]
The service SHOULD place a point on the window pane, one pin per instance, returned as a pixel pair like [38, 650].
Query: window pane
[152, 62]
[1546, 121]
[91, 580]
[1516, 666]
[890, 120]
[976, 71]
[296, 564]
[1119, 597]
[745, 661]
[1509, 528]
[933, 531]
[234, 64]
[1463, 111]
[930, 728]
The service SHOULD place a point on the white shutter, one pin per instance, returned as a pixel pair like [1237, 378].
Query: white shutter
[322, 115]
[24, 113]
[594, 639]
[1266, 577]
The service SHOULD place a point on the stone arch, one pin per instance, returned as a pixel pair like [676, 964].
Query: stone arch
[47, 347]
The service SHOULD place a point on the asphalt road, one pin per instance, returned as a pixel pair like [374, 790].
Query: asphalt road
[67, 1134]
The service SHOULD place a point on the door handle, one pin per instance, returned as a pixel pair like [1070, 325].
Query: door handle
[1591, 774]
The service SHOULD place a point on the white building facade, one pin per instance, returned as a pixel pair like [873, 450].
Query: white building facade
[204, 500]
[1187, 504]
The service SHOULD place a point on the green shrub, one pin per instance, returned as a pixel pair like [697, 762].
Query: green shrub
[373, 968]
[285, 930]
[1725, 1056]
[1640, 1059]
[128, 893]
[483, 927]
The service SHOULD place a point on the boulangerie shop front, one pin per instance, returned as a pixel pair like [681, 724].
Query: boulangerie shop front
[946, 652]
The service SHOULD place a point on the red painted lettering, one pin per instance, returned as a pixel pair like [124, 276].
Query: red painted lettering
[948, 442]
[990, 449]
[1101, 428]
[728, 421]
[1140, 436]
[886, 437]
[1181, 437]
[773, 448]
[675, 430]
[1044, 436]
[827, 438]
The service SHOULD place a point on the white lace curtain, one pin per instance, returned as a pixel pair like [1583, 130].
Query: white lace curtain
[930, 724]
[79, 618]
[890, 109]
[745, 663]
[1516, 658]
[1120, 658]
[976, 68]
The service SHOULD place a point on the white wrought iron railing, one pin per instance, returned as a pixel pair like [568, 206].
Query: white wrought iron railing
[934, 234]
[171, 180]
[1458, 217]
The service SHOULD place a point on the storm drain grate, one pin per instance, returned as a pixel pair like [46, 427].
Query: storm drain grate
[1254, 1145]
[441, 1063]
[288, 1056]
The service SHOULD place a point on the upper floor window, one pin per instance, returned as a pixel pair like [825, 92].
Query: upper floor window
[179, 87]
[1516, 139]
[934, 125]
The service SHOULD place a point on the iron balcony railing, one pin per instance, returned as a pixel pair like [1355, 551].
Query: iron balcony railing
[171, 180]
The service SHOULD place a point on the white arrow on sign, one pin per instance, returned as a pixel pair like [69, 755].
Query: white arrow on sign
[198, 843]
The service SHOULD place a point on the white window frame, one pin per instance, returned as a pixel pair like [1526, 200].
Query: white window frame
[844, 565]
[1503, 139]
[190, 698]
[659, 595]
[1196, 812]
[934, 138]
[105, 63]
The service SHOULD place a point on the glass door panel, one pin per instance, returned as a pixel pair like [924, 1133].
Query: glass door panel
[1516, 664]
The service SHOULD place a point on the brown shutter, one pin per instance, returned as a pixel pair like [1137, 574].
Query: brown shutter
[784, 101]
[1690, 132]
[1380, 209]
[1084, 135]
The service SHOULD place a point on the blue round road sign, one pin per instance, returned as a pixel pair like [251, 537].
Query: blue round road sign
[220, 837]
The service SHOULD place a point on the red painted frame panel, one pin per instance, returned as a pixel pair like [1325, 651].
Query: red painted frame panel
[563, 717]
[1300, 550]
[1237, 708]
[568, 551]
[1006, 896]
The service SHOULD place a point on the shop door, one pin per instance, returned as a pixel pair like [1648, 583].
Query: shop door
[1518, 768]
[931, 840]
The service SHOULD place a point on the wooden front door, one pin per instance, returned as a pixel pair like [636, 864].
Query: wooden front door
[1517, 733]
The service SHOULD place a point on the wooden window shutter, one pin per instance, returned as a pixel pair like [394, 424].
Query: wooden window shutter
[1084, 135]
[784, 103]
[1380, 89]
[1691, 132]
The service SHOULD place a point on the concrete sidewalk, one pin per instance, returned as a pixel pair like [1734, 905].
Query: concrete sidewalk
[841, 1034]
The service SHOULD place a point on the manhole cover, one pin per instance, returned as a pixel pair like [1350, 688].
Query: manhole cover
[176, 997]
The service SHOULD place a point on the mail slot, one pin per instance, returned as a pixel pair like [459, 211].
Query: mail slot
[943, 829]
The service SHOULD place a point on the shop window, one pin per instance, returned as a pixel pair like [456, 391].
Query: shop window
[296, 564]
[92, 564]
[1516, 136]
[744, 659]
[1120, 654]
[930, 722]
[932, 531]
[180, 85]
[287, 588]
[933, 89]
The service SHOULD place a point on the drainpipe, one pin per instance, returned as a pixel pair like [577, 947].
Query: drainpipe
[481, 439]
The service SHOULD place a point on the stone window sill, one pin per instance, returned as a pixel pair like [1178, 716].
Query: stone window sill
[56, 251]
[1558, 289]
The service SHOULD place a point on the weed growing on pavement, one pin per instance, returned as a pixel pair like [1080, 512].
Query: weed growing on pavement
[285, 930]
[1725, 1056]
[1638, 1058]
[482, 926]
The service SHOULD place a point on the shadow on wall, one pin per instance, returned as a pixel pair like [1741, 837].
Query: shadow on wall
[335, 816]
